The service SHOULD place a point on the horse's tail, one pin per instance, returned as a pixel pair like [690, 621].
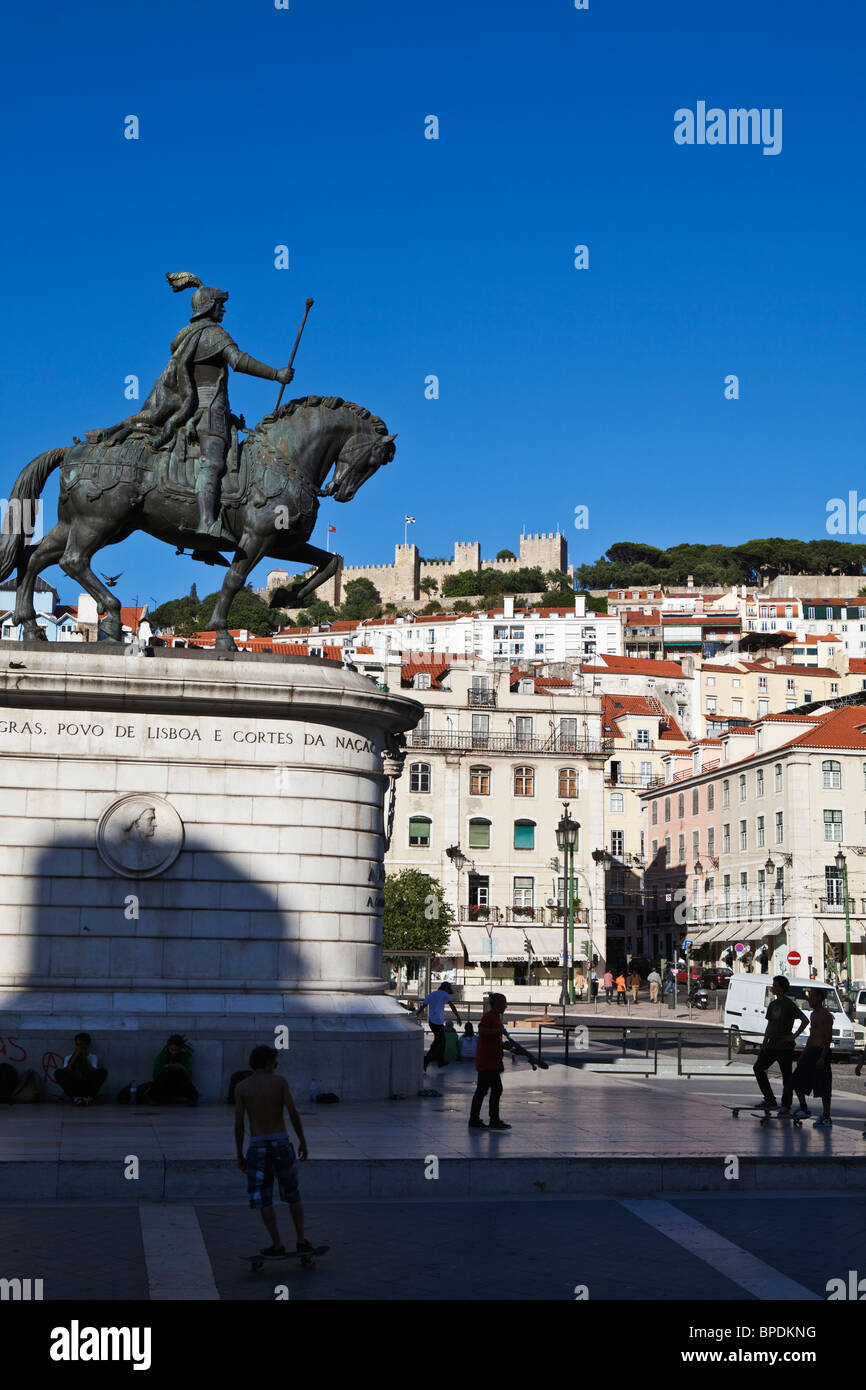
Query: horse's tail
[14, 535]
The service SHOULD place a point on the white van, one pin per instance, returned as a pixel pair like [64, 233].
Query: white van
[746, 1011]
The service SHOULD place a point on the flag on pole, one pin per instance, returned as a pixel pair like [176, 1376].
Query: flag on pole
[410, 520]
[333, 530]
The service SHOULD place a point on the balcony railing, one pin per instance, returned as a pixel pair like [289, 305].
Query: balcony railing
[476, 912]
[836, 908]
[636, 743]
[507, 743]
[634, 779]
[481, 699]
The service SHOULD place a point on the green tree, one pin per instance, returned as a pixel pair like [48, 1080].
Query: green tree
[247, 611]
[363, 600]
[179, 614]
[429, 608]
[316, 612]
[429, 585]
[505, 555]
[417, 917]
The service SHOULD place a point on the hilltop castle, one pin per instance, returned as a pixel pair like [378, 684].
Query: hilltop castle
[402, 582]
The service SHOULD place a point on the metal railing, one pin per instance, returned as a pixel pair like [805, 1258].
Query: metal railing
[481, 698]
[835, 907]
[507, 743]
[634, 779]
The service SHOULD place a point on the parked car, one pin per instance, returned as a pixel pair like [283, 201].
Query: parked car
[746, 1011]
[695, 974]
[717, 976]
[860, 1006]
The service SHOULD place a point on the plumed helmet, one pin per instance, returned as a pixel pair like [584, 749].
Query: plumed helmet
[205, 296]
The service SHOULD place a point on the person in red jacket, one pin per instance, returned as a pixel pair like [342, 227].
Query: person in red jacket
[488, 1064]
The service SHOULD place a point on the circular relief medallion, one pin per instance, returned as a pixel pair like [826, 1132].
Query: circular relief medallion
[139, 836]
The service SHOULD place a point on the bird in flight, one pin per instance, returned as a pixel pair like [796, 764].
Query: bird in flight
[111, 579]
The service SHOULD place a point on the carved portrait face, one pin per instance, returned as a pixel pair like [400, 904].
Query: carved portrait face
[140, 836]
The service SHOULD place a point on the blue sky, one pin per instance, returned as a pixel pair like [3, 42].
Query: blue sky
[558, 387]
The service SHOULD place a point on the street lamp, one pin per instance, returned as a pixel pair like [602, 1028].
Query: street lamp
[457, 857]
[566, 839]
[842, 866]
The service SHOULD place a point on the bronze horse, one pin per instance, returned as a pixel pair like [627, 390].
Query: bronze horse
[269, 504]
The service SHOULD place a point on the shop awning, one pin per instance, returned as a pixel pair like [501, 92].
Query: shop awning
[547, 942]
[454, 948]
[834, 930]
[508, 943]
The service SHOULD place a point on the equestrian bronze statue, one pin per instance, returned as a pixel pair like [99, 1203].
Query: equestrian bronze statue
[178, 471]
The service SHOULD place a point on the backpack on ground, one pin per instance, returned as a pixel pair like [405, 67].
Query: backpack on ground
[29, 1088]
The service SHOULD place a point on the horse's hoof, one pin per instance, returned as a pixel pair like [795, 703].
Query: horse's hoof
[110, 632]
[224, 642]
[32, 632]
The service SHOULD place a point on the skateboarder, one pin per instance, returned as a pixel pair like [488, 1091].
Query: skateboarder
[262, 1097]
[778, 1044]
[813, 1071]
[488, 1064]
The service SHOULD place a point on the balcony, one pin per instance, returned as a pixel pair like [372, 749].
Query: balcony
[836, 908]
[481, 699]
[483, 913]
[507, 743]
[635, 743]
[634, 780]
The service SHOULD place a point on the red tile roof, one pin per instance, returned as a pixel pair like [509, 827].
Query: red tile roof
[634, 665]
[615, 707]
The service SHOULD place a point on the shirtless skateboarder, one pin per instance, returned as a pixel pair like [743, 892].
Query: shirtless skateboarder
[262, 1098]
[813, 1071]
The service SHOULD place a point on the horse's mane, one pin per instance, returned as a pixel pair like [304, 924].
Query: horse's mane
[330, 403]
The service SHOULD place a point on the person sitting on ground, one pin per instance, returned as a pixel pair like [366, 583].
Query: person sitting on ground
[452, 1043]
[468, 1044]
[271, 1154]
[172, 1073]
[813, 1072]
[81, 1076]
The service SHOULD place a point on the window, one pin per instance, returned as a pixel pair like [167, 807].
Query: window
[696, 801]
[777, 771]
[736, 706]
[833, 886]
[479, 781]
[568, 735]
[480, 730]
[696, 844]
[711, 796]
[759, 782]
[726, 793]
[834, 687]
[524, 781]
[736, 682]
[744, 889]
[569, 784]
[419, 830]
[642, 738]
[726, 839]
[726, 889]
[654, 813]
[421, 732]
[711, 680]
[711, 841]
[763, 708]
[479, 893]
[422, 681]
[654, 848]
[419, 777]
[832, 772]
[681, 805]
[833, 825]
[780, 827]
[617, 803]
[761, 889]
[479, 833]
[523, 730]
[616, 770]
[524, 891]
[681, 849]
[646, 775]
[667, 808]
[667, 849]
[759, 832]
[789, 685]
[711, 704]
[526, 687]
[617, 843]
[744, 837]
[742, 786]
[524, 834]
[807, 697]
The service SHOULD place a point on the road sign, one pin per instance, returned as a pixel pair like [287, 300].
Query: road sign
[687, 945]
[740, 948]
[794, 957]
[489, 930]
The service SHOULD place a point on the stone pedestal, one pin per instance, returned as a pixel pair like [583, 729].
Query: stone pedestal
[193, 842]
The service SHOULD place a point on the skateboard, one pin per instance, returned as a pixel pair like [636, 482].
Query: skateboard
[534, 1062]
[306, 1257]
[763, 1115]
